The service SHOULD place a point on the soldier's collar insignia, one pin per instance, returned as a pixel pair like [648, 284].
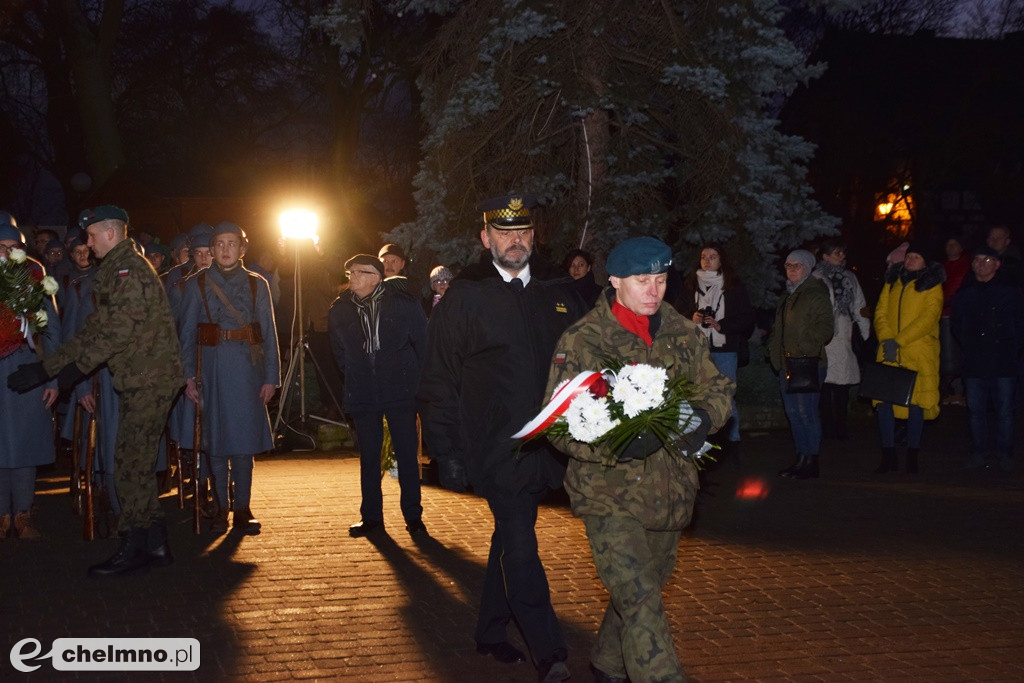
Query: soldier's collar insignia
[560, 307]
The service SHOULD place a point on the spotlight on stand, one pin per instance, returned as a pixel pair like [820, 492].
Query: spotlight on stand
[298, 225]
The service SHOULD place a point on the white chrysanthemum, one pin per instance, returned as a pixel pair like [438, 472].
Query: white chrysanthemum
[639, 387]
[588, 418]
[559, 386]
[50, 285]
[18, 255]
[41, 318]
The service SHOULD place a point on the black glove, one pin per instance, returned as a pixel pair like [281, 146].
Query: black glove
[452, 475]
[641, 447]
[692, 442]
[889, 350]
[26, 377]
[69, 376]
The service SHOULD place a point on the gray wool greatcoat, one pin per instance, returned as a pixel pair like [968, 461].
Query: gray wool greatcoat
[234, 420]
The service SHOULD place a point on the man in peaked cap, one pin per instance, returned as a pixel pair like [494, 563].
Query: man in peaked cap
[241, 369]
[488, 352]
[132, 331]
[635, 509]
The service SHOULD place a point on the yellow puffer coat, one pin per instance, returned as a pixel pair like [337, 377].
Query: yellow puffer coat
[909, 313]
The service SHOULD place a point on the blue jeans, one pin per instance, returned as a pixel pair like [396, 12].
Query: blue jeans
[370, 431]
[995, 394]
[887, 425]
[727, 362]
[804, 414]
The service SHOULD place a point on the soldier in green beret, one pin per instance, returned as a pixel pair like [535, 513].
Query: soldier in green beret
[133, 332]
[635, 509]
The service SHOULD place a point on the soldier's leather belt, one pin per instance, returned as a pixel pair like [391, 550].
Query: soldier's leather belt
[211, 334]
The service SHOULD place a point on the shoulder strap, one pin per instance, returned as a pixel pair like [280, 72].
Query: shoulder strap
[201, 281]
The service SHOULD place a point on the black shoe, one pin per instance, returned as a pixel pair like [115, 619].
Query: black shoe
[794, 468]
[157, 547]
[244, 521]
[602, 677]
[365, 527]
[416, 526]
[553, 671]
[503, 652]
[809, 470]
[888, 461]
[130, 558]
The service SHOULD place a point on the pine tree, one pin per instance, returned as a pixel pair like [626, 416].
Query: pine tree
[624, 118]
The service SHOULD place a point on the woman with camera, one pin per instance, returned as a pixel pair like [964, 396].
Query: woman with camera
[714, 298]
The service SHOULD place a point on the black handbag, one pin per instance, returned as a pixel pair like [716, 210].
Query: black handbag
[801, 374]
[887, 383]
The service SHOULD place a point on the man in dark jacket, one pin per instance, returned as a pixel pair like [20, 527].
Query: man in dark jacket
[378, 335]
[988, 323]
[489, 347]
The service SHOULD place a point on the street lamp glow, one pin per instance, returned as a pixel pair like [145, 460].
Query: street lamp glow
[298, 224]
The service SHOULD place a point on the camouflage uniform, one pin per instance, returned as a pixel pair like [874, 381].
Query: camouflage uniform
[634, 511]
[132, 331]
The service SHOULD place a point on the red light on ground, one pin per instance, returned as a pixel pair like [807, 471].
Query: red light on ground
[753, 488]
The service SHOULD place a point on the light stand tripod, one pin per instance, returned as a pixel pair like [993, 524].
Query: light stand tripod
[298, 348]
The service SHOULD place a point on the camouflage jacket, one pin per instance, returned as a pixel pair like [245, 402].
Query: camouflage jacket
[131, 330]
[658, 491]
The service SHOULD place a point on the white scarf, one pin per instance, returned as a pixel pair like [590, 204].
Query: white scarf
[711, 294]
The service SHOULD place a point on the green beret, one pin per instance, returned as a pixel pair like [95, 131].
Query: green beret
[106, 212]
[639, 256]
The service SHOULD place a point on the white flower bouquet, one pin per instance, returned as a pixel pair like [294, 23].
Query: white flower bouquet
[613, 407]
[23, 291]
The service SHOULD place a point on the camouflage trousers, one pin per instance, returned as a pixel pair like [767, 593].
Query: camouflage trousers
[142, 419]
[634, 639]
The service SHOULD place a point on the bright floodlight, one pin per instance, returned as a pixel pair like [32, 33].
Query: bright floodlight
[298, 224]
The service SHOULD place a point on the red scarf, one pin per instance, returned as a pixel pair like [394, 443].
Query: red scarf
[637, 324]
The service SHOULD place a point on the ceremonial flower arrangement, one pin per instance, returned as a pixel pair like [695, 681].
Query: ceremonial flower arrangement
[614, 406]
[23, 291]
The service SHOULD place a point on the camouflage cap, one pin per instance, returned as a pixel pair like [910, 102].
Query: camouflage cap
[508, 212]
[639, 256]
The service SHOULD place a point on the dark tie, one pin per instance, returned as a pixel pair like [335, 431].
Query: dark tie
[516, 284]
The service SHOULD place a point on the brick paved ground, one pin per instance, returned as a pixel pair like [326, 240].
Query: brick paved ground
[850, 577]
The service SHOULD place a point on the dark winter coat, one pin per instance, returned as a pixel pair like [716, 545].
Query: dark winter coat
[803, 323]
[738, 323]
[489, 349]
[988, 324]
[388, 378]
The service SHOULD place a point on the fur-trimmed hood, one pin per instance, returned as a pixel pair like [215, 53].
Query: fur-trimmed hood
[933, 275]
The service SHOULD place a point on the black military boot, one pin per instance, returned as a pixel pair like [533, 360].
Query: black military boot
[888, 461]
[157, 547]
[912, 460]
[795, 467]
[131, 556]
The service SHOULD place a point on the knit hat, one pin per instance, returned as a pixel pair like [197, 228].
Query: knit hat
[803, 257]
[440, 273]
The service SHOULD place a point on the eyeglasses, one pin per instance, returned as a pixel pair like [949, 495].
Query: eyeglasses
[983, 259]
[441, 282]
[794, 266]
[350, 273]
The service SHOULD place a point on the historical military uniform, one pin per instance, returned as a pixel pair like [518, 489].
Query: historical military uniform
[77, 304]
[635, 509]
[228, 315]
[26, 424]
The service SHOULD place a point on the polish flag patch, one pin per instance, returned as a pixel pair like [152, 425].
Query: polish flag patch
[123, 272]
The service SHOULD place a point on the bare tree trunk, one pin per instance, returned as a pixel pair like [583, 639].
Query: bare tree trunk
[90, 55]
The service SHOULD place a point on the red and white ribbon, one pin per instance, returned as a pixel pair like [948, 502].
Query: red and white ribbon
[26, 331]
[558, 405]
